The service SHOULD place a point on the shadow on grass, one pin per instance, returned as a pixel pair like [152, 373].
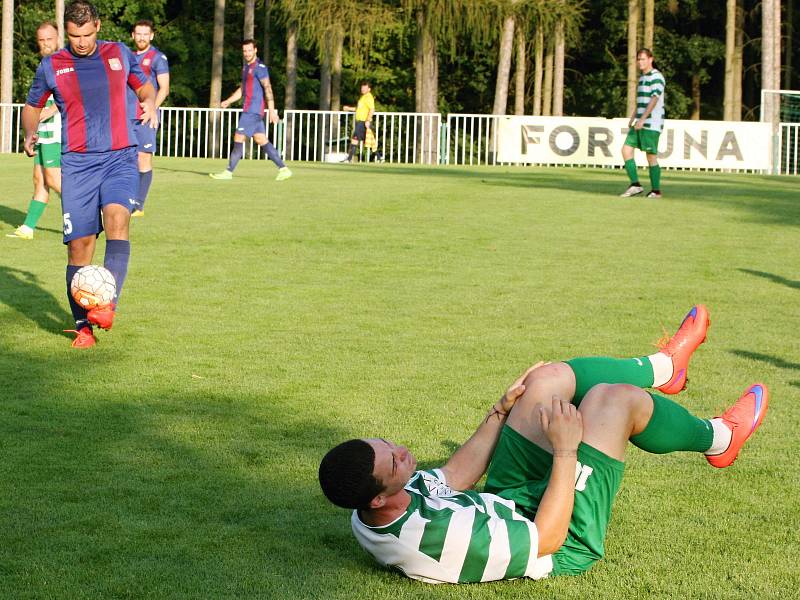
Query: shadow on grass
[774, 278]
[15, 218]
[176, 489]
[775, 361]
[21, 291]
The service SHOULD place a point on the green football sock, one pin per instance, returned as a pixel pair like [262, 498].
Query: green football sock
[35, 210]
[630, 168]
[655, 176]
[592, 370]
[673, 428]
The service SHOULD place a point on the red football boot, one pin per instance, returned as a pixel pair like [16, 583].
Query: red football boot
[743, 418]
[102, 316]
[84, 338]
[682, 345]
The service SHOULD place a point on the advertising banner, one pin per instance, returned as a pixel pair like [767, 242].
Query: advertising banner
[598, 141]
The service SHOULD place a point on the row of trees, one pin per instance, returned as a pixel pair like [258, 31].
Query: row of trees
[554, 56]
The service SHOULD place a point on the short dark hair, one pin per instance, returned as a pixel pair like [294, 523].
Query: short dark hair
[365, 82]
[249, 41]
[48, 23]
[345, 475]
[646, 51]
[143, 23]
[80, 12]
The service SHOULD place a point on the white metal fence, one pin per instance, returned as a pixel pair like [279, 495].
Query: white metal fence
[310, 135]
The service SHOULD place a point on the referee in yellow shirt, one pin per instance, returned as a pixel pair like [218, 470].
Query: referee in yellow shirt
[364, 111]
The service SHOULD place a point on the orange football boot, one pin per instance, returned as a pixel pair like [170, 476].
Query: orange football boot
[84, 337]
[743, 418]
[682, 345]
[102, 316]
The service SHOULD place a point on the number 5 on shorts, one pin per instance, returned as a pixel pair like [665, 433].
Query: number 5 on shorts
[67, 224]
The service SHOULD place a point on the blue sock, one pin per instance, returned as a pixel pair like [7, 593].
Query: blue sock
[145, 179]
[237, 152]
[272, 152]
[118, 253]
[78, 312]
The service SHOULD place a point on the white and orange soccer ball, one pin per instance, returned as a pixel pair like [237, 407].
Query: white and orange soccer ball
[93, 286]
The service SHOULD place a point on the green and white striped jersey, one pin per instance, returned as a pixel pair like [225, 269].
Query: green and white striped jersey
[651, 84]
[49, 130]
[447, 536]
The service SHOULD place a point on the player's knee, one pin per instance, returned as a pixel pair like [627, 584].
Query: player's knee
[548, 380]
[610, 397]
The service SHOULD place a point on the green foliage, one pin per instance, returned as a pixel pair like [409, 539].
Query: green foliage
[262, 323]
[380, 44]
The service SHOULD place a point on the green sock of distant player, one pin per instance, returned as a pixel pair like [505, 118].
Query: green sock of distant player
[655, 177]
[35, 210]
[630, 168]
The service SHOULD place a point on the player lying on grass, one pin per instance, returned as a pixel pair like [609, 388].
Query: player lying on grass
[554, 445]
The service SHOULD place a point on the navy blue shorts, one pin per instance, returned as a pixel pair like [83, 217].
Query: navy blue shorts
[146, 137]
[360, 131]
[93, 180]
[250, 124]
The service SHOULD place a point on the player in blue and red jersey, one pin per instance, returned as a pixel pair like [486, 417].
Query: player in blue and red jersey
[90, 82]
[156, 68]
[255, 89]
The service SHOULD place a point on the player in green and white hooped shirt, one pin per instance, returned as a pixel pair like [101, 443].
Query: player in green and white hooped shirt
[646, 123]
[47, 161]
[553, 475]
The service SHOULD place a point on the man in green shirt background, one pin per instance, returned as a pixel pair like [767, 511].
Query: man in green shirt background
[646, 123]
[47, 160]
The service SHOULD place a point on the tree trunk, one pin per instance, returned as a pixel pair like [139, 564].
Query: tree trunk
[547, 92]
[7, 60]
[738, 62]
[504, 66]
[768, 56]
[777, 40]
[730, 64]
[695, 97]
[649, 23]
[216, 72]
[419, 64]
[325, 74]
[519, 78]
[558, 70]
[430, 72]
[789, 44]
[291, 67]
[633, 43]
[337, 39]
[265, 43]
[428, 93]
[249, 19]
[538, 71]
[60, 22]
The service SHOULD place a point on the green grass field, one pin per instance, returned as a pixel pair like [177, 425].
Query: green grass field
[264, 322]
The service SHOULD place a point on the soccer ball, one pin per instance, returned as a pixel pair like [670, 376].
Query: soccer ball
[93, 286]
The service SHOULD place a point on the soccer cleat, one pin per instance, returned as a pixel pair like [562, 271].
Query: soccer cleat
[743, 418]
[283, 173]
[633, 190]
[21, 233]
[222, 175]
[137, 213]
[653, 194]
[84, 338]
[102, 316]
[682, 345]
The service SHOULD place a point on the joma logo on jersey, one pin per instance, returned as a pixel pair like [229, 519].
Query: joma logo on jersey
[64, 70]
[114, 64]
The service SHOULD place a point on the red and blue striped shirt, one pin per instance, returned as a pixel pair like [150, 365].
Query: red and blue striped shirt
[153, 63]
[252, 90]
[93, 96]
